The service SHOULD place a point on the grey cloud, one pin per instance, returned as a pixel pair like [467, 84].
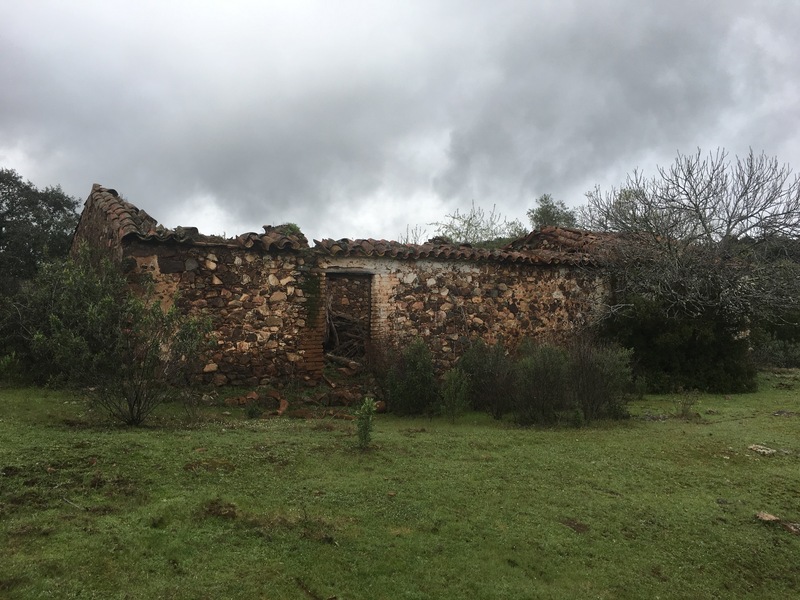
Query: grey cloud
[311, 113]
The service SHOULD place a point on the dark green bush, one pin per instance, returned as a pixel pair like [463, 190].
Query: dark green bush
[673, 352]
[455, 393]
[411, 381]
[776, 344]
[490, 371]
[77, 323]
[541, 392]
[600, 379]
[64, 324]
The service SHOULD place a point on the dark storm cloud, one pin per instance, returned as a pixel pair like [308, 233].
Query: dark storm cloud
[355, 119]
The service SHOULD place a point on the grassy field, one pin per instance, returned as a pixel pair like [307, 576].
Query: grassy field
[653, 507]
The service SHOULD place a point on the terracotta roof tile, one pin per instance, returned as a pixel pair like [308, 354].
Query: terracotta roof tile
[550, 246]
[384, 248]
[128, 220]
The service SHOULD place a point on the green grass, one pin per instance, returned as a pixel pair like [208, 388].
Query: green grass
[652, 507]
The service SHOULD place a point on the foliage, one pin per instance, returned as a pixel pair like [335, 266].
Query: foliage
[601, 379]
[696, 256]
[64, 324]
[547, 384]
[705, 237]
[411, 381]
[35, 226]
[671, 353]
[455, 393]
[289, 229]
[685, 404]
[412, 235]
[478, 228]
[490, 372]
[550, 211]
[155, 352]
[365, 416]
[776, 343]
[541, 386]
[76, 323]
[9, 367]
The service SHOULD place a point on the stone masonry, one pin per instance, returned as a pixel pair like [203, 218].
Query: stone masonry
[267, 294]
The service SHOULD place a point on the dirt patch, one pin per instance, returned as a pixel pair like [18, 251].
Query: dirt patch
[219, 508]
[575, 525]
[10, 583]
[412, 431]
[784, 413]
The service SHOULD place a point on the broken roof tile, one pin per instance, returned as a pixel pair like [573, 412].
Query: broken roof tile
[128, 220]
[382, 248]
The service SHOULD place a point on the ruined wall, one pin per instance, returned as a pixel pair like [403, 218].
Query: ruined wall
[97, 231]
[448, 302]
[265, 307]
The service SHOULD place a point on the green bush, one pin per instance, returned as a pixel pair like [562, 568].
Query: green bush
[673, 352]
[773, 348]
[600, 379]
[154, 355]
[455, 393]
[411, 381]
[64, 324]
[77, 323]
[541, 392]
[491, 375]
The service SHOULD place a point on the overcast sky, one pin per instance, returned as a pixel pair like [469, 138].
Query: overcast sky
[358, 118]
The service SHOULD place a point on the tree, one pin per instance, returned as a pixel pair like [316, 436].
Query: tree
[551, 212]
[77, 323]
[35, 225]
[479, 228]
[706, 235]
[697, 255]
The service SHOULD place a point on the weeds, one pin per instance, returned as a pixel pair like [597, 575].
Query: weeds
[365, 415]
[685, 403]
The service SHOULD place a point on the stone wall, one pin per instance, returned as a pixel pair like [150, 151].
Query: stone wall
[264, 307]
[447, 303]
[267, 294]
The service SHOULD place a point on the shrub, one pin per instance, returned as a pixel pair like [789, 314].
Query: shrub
[773, 350]
[455, 393]
[490, 372]
[541, 388]
[154, 354]
[411, 381]
[61, 324]
[601, 379]
[685, 403]
[674, 352]
[77, 323]
[365, 415]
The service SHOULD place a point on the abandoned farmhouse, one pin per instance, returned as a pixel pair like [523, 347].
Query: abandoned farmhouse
[278, 304]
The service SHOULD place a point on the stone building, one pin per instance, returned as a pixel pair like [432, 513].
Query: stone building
[278, 304]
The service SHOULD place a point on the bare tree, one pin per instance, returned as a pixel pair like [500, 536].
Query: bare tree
[478, 227]
[706, 236]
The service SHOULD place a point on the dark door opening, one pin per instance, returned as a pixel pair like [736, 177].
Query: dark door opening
[347, 314]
